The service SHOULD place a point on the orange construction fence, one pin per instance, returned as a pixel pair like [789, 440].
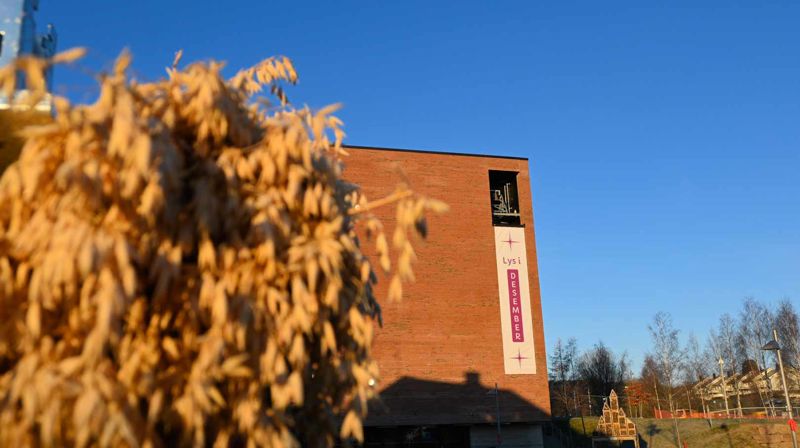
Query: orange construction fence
[684, 413]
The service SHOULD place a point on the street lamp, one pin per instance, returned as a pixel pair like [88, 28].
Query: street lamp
[773, 346]
[628, 399]
[724, 387]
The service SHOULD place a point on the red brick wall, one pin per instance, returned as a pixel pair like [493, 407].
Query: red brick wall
[448, 323]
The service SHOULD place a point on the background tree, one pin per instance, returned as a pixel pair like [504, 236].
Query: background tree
[638, 396]
[651, 377]
[179, 265]
[602, 371]
[563, 374]
[787, 324]
[668, 356]
[728, 346]
[755, 329]
[696, 366]
[667, 352]
[749, 366]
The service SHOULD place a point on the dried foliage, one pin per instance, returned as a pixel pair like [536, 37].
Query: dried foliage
[10, 142]
[179, 265]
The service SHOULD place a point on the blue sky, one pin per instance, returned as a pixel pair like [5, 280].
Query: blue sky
[663, 138]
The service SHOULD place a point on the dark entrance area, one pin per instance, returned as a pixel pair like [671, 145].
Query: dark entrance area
[445, 436]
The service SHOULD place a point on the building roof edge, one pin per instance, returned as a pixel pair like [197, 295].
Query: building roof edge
[426, 151]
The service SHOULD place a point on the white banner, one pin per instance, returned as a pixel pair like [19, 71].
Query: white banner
[515, 300]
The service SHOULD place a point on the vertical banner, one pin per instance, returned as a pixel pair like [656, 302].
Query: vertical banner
[515, 300]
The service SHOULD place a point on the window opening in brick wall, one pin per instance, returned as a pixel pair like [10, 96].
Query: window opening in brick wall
[505, 201]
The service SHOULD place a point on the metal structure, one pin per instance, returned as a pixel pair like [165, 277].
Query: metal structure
[505, 201]
[614, 426]
[501, 202]
[18, 37]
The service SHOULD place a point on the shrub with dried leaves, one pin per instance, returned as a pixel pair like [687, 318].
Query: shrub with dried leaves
[10, 142]
[179, 265]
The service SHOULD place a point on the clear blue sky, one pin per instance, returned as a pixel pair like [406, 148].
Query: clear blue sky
[663, 137]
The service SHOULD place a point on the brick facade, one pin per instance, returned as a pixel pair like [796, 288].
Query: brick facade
[440, 349]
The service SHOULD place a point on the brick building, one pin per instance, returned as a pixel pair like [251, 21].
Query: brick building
[465, 348]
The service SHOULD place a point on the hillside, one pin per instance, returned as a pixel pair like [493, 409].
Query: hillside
[695, 432]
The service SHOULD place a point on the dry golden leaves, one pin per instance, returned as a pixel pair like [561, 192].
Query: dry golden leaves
[179, 266]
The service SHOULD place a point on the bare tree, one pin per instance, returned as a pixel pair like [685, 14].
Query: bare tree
[787, 323]
[727, 339]
[669, 357]
[696, 366]
[602, 370]
[651, 375]
[625, 368]
[714, 354]
[562, 373]
[755, 328]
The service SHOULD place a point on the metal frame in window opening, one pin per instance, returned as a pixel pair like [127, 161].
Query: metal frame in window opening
[504, 196]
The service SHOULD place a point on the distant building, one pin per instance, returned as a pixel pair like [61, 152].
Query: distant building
[759, 392]
[464, 350]
[18, 37]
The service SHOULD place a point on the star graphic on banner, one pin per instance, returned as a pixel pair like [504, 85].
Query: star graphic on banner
[510, 242]
[519, 357]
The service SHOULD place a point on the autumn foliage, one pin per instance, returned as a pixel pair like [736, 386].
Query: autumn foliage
[10, 141]
[179, 265]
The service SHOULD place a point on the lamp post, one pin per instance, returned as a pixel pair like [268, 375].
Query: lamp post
[628, 399]
[773, 346]
[724, 387]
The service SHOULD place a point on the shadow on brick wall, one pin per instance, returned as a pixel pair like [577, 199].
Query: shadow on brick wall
[427, 413]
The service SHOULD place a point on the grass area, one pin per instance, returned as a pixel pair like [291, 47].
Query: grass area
[694, 432]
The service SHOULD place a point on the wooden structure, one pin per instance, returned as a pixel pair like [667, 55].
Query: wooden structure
[614, 427]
